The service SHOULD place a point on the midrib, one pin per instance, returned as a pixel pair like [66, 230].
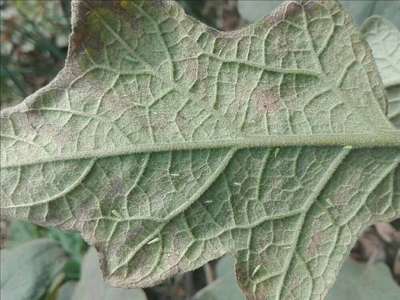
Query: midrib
[390, 138]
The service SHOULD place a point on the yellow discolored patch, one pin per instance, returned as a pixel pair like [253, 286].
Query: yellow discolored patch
[124, 4]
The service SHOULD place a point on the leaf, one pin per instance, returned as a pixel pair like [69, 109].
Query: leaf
[74, 246]
[66, 291]
[394, 104]
[28, 270]
[253, 10]
[92, 285]
[9, 93]
[361, 10]
[355, 281]
[384, 39]
[225, 287]
[169, 144]
[22, 232]
[367, 282]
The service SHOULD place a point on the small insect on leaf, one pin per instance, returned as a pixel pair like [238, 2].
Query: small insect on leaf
[116, 214]
[153, 241]
[256, 269]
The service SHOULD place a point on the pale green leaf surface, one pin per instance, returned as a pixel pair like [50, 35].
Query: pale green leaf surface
[66, 291]
[364, 281]
[28, 270]
[21, 232]
[92, 285]
[253, 10]
[168, 144]
[225, 287]
[394, 104]
[361, 10]
[384, 39]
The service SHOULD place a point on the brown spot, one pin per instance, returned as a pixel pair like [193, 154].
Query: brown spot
[137, 25]
[275, 18]
[116, 186]
[284, 11]
[191, 69]
[342, 198]
[82, 37]
[292, 9]
[243, 276]
[35, 120]
[315, 244]
[267, 101]
[135, 234]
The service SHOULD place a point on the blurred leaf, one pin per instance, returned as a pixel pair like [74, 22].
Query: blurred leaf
[28, 270]
[366, 282]
[71, 242]
[361, 10]
[34, 37]
[253, 10]
[384, 39]
[52, 291]
[394, 104]
[74, 246]
[72, 270]
[46, 18]
[225, 287]
[93, 286]
[10, 92]
[193, 8]
[22, 232]
[66, 291]
[207, 11]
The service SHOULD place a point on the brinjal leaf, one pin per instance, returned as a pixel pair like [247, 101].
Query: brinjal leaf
[168, 144]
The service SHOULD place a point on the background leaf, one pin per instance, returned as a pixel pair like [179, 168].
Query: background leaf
[66, 291]
[253, 10]
[92, 285]
[21, 232]
[361, 10]
[28, 271]
[384, 39]
[364, 281]
[225, 287]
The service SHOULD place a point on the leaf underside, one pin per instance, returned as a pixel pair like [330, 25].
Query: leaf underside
[168, 144]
